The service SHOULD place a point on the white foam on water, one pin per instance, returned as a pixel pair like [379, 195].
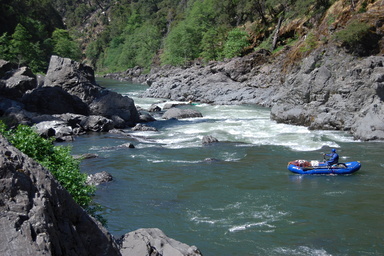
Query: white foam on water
[173, 161]
[243, 124]
[335, 193]
[250, 225]
[301, 251]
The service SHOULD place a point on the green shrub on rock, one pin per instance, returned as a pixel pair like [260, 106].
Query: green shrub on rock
[355, 35]
[59, 161]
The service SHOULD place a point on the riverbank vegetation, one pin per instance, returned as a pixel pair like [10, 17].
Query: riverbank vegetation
[59, 161]
[117, 35]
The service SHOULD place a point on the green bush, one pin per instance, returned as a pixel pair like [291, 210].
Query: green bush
[237, 40]
[58, 160]
[353, 33]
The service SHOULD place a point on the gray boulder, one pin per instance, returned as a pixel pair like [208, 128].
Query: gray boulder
[79, 81]
[96, 123]
[16, 82]
[143, 127]
[146, 117]
[75, 78]
[154, 108]
[111, 104]
[180, 113]
[39, 217]
[99, 178]
[153, 242]
[58, 129]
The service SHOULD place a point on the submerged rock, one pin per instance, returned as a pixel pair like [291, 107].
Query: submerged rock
[209, 139]
[99, 178]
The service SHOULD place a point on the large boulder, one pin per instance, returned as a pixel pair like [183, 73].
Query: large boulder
[15, 82]
[75, 78]
[54, 100]
[39, 217]
[115, 106]
[79, 81]
[58, 129]
[99, 178]
[153, 242]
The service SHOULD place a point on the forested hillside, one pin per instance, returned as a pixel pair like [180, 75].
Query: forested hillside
[117, 35]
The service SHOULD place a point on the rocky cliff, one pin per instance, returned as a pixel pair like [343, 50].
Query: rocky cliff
[39, 217]
[329, 89]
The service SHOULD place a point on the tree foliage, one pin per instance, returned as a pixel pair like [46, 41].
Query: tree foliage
[64, 45]
[236, 42]
[135, 33]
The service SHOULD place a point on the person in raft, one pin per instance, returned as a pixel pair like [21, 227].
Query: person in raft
[334, 158]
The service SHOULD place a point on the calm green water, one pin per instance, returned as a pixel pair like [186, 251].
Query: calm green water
[245, 202]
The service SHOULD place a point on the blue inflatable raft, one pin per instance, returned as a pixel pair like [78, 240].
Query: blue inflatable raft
[315, 167]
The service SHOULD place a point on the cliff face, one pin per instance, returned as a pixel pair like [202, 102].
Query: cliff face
[39, 217]
[333, 90]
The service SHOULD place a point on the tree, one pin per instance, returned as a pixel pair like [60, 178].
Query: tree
[64, 45]
[21, 47]
[212, 44]
[181, 45]
[5, 44]
[236, 42]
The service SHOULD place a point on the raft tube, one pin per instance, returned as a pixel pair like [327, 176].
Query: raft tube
[341, 168]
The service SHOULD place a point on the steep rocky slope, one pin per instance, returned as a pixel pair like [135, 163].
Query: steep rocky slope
[331, 86]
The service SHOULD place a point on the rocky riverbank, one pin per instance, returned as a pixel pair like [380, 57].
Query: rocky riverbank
[64, 103]
[39, 217]
[329, 89]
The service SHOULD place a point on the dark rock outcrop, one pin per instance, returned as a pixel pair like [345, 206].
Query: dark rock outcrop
[54, 100]
[15, 82]
[78, 80]
[39, 217]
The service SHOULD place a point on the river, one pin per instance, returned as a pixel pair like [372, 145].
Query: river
[236, 197]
